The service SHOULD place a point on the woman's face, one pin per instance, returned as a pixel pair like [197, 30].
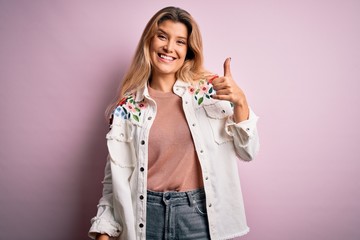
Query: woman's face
[168, 48]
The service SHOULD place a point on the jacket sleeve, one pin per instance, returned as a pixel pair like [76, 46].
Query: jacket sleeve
[104, 221]
[246, 139]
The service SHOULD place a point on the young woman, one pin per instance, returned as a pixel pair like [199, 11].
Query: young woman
[176, 133]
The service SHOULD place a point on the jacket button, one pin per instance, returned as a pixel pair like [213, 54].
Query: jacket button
[142, 142]
[141, 225]
[141, 197]
[142, 169]
[149, 118]
[223, 111]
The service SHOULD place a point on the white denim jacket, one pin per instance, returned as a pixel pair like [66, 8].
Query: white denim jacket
[218, 142]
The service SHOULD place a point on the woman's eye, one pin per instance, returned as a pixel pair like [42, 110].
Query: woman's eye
[162, 37]
[181, 42]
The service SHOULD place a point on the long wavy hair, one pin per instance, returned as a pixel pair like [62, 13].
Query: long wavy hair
[140, 68]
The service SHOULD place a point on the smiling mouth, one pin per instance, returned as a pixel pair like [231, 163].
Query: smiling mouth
[165, 57]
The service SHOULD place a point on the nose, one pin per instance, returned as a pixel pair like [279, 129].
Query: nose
[168, 47]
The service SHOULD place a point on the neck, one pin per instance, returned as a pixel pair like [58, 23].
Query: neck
[163, 83]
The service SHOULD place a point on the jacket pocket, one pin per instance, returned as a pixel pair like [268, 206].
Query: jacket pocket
[120, 144]
[217, 114]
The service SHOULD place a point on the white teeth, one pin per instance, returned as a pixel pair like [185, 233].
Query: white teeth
[166, 57]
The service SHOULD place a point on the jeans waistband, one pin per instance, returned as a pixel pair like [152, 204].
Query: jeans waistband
[188, 197]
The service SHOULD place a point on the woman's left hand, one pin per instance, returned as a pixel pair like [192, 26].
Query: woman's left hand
[227, 89]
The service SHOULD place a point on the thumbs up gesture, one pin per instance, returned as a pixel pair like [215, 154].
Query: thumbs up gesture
[227, 89]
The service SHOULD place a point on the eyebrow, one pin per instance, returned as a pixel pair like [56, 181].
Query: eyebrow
[162, 31]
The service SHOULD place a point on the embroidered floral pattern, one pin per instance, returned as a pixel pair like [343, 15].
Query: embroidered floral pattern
[129, 109]
[203, 90]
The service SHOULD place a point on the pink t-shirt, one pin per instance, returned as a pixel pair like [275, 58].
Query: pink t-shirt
[173, 162]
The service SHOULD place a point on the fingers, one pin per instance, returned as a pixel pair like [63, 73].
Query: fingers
[221, 97]
[227, 71]
[213, 78]
[224, 86]
[227, 74]
[221, 83]
[224, 91]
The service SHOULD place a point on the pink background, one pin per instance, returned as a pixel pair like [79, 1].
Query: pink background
[297, 61]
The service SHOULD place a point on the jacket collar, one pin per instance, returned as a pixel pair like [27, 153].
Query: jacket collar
[179, 89]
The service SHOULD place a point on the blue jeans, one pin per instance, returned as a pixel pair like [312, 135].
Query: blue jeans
[176, 215]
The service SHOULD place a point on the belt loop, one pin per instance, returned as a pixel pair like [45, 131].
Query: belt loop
[191, 199]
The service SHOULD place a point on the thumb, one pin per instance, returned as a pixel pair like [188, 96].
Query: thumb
[227, 67]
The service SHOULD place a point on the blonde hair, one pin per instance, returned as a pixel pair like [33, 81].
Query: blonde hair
[140, 68]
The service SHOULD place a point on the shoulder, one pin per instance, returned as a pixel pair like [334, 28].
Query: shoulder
[129, 108]
[128, 97]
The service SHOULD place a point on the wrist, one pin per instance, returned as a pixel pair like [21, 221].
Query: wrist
[241, 112]
[241, 104]
[100, 236]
